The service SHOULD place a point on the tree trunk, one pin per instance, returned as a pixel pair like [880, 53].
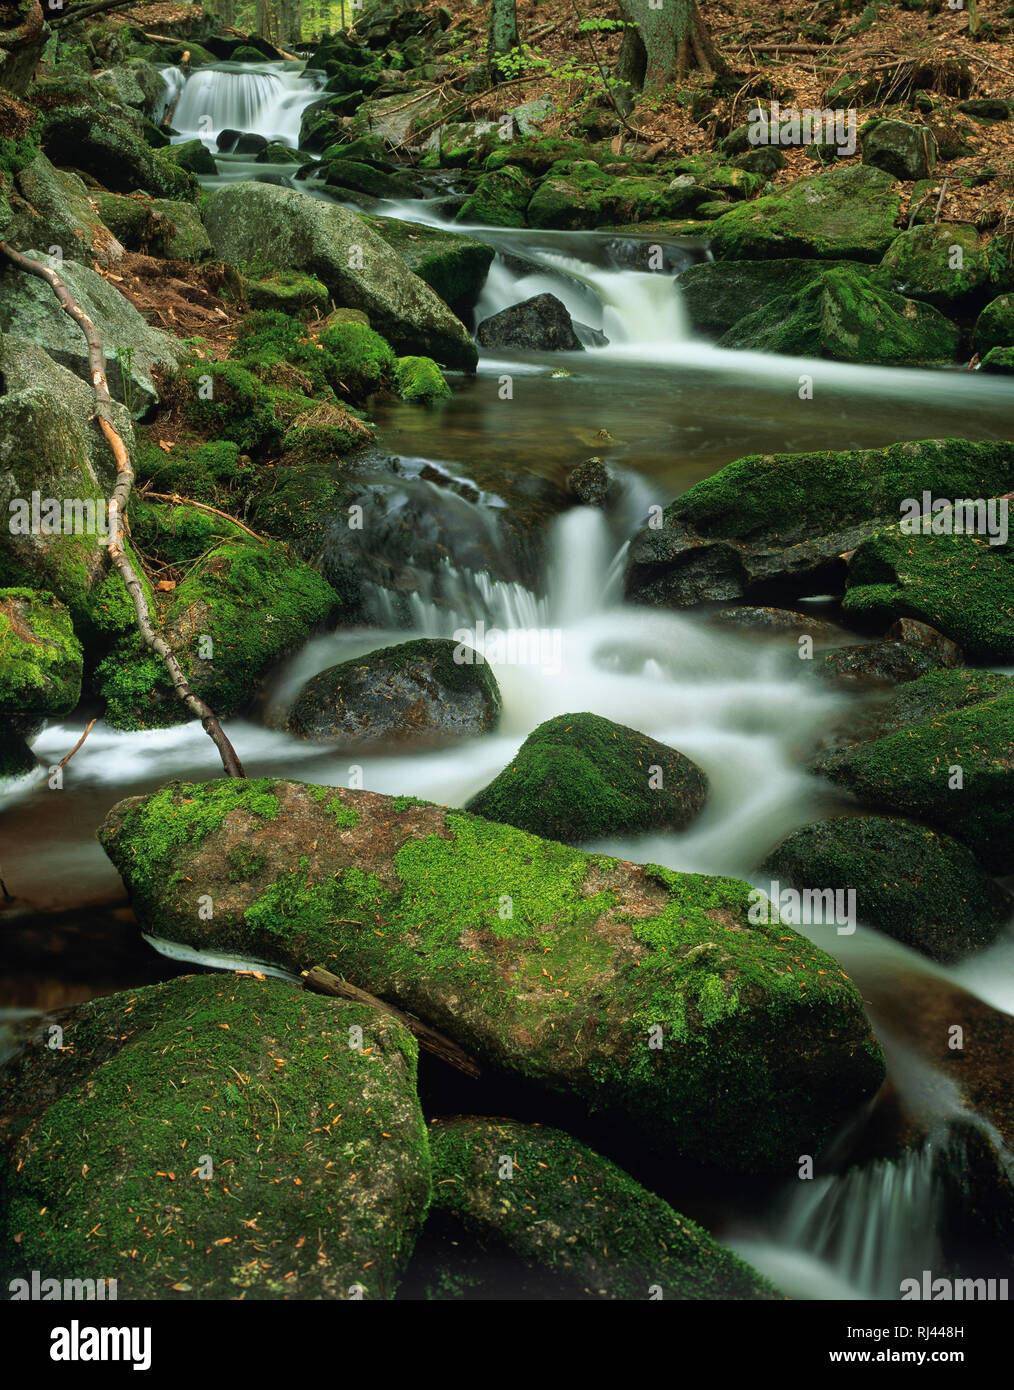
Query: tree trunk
[503, 33]
[23, 36]
[675, 38]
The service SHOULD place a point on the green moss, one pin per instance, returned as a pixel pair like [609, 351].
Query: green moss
[995, 325]
[177, 535]
[934, 725]
[580, 777]
[920, 887]
[201, 470]
[359, 360]
[920, 263]
[498, 199]
[567, 1213]
[287, 291]
[961, 585]
[553, 965]
[228, 400]
[306, 1135]
[843, 316]
[40, 657]
[420, 379]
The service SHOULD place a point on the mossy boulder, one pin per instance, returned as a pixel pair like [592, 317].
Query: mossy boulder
[368, 179]
[580, 777]
[157, 226]
[499, 199]
[945, 264]
[358, 267]
[287, 292]
[453, 265]
[274, 152]
[919, 886]
[225, 1139]
[30, 310]
[995, 325]
[563, 1222]
[235, 615]
[842, 213]
[646, 995]
[52, 207]
[416, 692]
[50, 443]
[113, 153]
[192, 155]
[959, 584]
[360, 361]
[717, 294]
[40, 657]
[325, 431]
[905, 151]
[943, 754]
[536, 155]
[419, 379]
[998, 359]
[580, 194]
[871, 664]
[842, 316]
[776, 526]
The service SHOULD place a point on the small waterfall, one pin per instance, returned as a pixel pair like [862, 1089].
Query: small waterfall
[263, 99]
[174, 81]
[581, 567]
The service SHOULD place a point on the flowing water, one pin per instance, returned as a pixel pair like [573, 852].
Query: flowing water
[665, 410]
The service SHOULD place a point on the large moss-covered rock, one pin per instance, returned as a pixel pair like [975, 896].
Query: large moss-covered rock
[841, 315]
[581, 195]
[40, 658]
[499, 199]
[159, 226]
[961, 585]
[30, 310]
[415, 692]
[217, 1137]
[776, 525]
[571, 1224]
[644, 994]
[453, 265]
[52, 207]
[358, 267]
[50, 444]
[192, 155]
[113, 153]
[905, 151]
[287, 292]
[845, 212]
[921, 887]
[420, 380]
[717, 294]
[995, 325]
[943, 753]
[943, 263]
[581, 777]
[236, 614]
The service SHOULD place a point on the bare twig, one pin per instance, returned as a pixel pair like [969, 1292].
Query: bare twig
[67, 756]
[117, 508]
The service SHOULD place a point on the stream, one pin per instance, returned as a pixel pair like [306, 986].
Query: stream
[673, 410]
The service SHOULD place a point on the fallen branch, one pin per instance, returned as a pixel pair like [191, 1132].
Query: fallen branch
[117, 509]
[67, 756]
[204, 506]
[322, 981]
[74, 15]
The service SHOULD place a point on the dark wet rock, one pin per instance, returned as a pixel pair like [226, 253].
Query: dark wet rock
[428, 691]
[303, 1132]
[946, 654]
[590, 482]
[908, 152]
[580, 777]
[566, 1224]
[995, 325]
[876, 663]
[539, 324]
[772, 527]
[915, 884]
[777, 620]
[484, 932]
